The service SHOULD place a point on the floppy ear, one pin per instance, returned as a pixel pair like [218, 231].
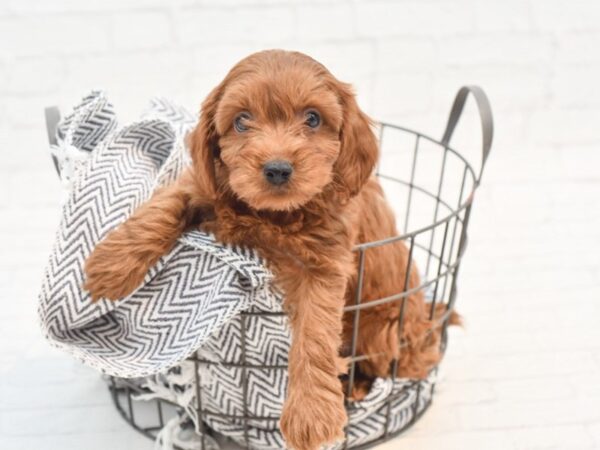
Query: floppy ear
[359, 149]
[204, 145]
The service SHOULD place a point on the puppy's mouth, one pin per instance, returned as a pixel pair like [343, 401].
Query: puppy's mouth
[281, 190]
[280, 197]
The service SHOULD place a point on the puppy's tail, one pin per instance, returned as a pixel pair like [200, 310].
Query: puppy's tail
[454, 318]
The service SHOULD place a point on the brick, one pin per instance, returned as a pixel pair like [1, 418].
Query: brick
[497, 48]
[4, 68]
[204, 26]
[32, 185]
[519, 366]
[131, 80]
[71, 393]
[475, 392]
[508, 15]
[567, 436]
[529, 414]
[413, 18]
[124, 439]
[510, 344]
[556, 15]
[229, 4]
[565, 126]
[43, 35]
[576, 162]
[28, 111]
[492, 440]
[325, 22]
[34, 75]
[75, 6]
[141, 30]
[576, 87]
[509, 88]
[402, 94]
[102, 419]
[406, 54]
[594, 431]
[540, 389]
[578, 48]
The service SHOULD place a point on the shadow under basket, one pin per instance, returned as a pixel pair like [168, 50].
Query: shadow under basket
[431, 187]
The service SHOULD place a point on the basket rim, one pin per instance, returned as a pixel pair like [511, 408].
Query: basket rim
[454, 211]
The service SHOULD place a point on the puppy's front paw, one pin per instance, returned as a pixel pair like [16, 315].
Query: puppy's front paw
[113, 272]
[307, 422]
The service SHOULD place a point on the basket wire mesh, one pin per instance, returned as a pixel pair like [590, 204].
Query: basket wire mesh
[431, 187]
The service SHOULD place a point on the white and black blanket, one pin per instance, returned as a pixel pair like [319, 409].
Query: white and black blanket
[191, 301]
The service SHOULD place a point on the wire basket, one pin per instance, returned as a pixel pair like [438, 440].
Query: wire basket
[431, 187]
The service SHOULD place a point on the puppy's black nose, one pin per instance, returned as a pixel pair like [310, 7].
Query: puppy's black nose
[277, 172]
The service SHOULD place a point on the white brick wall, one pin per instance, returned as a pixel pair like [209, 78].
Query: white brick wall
[538, 59]
[523, 373]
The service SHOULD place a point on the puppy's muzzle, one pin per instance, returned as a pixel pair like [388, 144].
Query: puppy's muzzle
[277, 172]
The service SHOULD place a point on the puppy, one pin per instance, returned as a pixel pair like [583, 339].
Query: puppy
[282, 162]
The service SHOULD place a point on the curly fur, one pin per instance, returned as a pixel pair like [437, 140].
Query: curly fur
[305, 229]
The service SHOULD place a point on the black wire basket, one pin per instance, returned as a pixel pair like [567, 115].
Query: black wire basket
[431, 187]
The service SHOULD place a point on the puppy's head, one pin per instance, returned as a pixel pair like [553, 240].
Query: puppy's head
[279, 130]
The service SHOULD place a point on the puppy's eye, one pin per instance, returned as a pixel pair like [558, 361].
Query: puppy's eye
[240, 121]
[312, 118]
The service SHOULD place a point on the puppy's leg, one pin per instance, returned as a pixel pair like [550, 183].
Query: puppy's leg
[380, 335]
[118, 264]
[413, 344]
[314, 412]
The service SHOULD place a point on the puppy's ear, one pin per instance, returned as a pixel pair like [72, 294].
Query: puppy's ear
[204, 145]
[359, 148]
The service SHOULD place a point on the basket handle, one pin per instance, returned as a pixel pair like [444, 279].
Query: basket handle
[485, 114]
[52, 114]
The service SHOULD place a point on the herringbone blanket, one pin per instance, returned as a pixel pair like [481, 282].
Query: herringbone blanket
[191, 301]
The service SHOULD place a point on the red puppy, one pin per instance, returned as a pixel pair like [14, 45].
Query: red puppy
[282, 162]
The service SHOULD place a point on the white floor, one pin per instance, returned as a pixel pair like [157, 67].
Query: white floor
[522, 375]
